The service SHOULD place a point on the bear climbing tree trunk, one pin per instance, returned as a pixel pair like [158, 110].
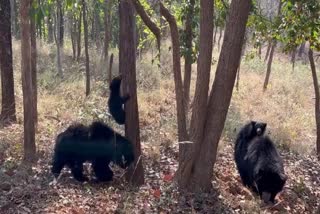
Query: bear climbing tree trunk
[127, 68]
[197, 175]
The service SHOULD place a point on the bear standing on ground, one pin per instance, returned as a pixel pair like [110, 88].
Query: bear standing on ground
[116, 102]
[258, 162]
[97, 144]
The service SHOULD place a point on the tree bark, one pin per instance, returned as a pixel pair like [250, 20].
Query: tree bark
[33, 54]
[301, 49]
[293, 58]
[199, 172]
[127, 54]
[13, 16]
[188, 57]
[147, 21]
[8, 110]
[266, 80]
[61, 23]
[29, 128]
[50, 27]
[220, 36]
[73, 36]
[317, 98]
[86, 46]
[215, 35]
[57, 40]
[181, 116]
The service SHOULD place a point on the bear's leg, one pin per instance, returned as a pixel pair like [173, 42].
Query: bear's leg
[102, 171]
[77, 172]
[57, 166]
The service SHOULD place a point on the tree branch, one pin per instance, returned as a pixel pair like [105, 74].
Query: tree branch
[147, 21]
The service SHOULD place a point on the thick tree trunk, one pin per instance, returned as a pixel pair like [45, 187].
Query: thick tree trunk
[86, 46]
[8, 110]
[188, 57]
[79, 37]
[266, 80]
[197, 175]
[33, 54]
[181, 115]
[127, 53]
[29, 128]
[317, 100]
[268, 51]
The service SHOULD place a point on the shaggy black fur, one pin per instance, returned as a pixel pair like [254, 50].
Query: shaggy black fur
[98, 144]
[116, 102]
[258, 162]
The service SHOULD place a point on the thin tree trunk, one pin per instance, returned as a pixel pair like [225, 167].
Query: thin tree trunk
[215, 35]
[203, 76]
[110, 68]
[50, 27]
[301, 49]
[293, 58]
[57, 41]
[268, 51]
[33, 54]
[266, 80]
[220, 36]
[8, 110]
[79, 37]
[106, 28]
[197, 175]
[61, 23]
[86, 46]
[29, 126]
[259, 51]
[188, 57]
[13, 17]
[73, 37]
[317, 100]
[181, 116]
[127, 53]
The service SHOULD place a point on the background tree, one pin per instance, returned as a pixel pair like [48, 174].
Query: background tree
[8, 109]
[127, 50]
[86, 46]
[28, 112]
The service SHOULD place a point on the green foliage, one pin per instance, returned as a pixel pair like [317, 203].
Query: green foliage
[300, 23]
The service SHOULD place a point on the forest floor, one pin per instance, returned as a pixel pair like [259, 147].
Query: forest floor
[288, 112]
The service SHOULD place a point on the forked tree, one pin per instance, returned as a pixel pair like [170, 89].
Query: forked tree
[195, 173]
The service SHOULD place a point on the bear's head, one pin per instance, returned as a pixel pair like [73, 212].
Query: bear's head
[115, 83]
[124, 155]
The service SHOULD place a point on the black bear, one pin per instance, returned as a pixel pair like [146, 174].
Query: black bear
[116, 102]
[79, 143]
[258, 161]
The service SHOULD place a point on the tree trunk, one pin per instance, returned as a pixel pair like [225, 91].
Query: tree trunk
[197, 175]
[127, 53]
[220, 36]
[268, 51]
[259, 51]
[61, 23]
[13, 16]
[73, 37]
[8, 110]
[57, 41]
[79, 37]
[301, 49]
[317, 100]
[50, 27]
[33, 54]
[293, 58]
[29, 128]
[147, 21]
[181, 116]
[188, 57]
[110, 68]
[86, 46]
[215, 35]
[266, 80]
[106, 28]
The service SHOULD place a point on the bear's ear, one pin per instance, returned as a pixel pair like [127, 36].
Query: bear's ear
[253, 123]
